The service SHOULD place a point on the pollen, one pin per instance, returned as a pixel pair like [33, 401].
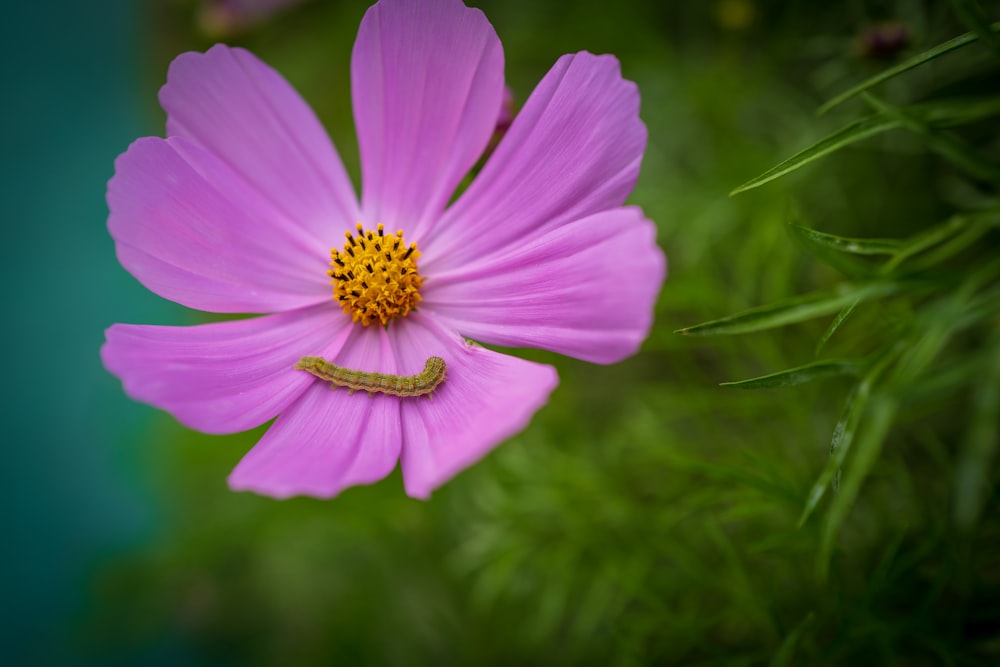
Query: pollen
[375, 276]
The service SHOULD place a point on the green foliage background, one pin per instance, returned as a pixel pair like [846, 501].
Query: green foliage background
[648, 515]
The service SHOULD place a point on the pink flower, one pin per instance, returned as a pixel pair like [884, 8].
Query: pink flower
[244, 204]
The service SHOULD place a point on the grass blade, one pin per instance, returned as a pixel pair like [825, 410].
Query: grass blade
[840, 444]
[974, 227]
[944, 234]
[945, 144]
[843, 432]
[972, 15]
[786, 652]
[789, 311]
[940, 113]
[816, 370]
[906, 65]
[880, 415]
[849, 134]
[837, 321]
[854, 246]
[956, 111]
[978, 451]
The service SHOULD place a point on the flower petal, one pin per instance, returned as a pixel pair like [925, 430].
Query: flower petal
[427, 84]
[238, 108]
[329, 440]
[585, 289]
[485, 398]
[223, 377]
[192, 231]
[573, 150]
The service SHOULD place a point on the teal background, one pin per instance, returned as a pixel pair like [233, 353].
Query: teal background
[72, 497]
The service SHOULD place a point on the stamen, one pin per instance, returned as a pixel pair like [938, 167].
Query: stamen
[389, 286]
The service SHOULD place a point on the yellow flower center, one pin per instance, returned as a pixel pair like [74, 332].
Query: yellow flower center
[375, 277]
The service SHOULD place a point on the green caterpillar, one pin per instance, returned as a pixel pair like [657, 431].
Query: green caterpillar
[394, 385]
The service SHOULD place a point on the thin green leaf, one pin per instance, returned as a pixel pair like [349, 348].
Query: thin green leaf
[841, 253]
[843, 432]
[854, 246]
[843, 436]
[816, 370]
[944, 382]
[983, 307]
[924, 240]
[854, 132]
[783, 656]
[789, 311]
[956, 111]
[979, 447]
[735, 473]
[974, 227]
[972, 15]
[937, 323]
[939, 113]
[906, 65]
[880, 414]
[950, 234]
[837, 322]
[739, 582]
[946, 145]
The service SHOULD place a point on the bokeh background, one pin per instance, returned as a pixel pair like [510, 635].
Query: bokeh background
[647, 515]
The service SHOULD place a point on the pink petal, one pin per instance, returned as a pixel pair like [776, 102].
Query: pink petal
[243, 111]
[485, 398]
[223, 377]
[427, 80]
[329, 439]
[191, 230]
[573, 150]
[585, 289]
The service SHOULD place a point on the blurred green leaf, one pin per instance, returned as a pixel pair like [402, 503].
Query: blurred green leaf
[854, 132]
[835, 325]
[715, 470]
[972, 15]
[938, 321]
[971, 228]
[879, 415]
[984, 306]
[948, 146]
[939, 113]
[853, 267]
[816, 370]
[934, 328]
[842, 253]
[843, 432]
[954, 227]
[906, 65]
[843, 436]
[977, 453]
[854, 246]
[786, 652]
[789, 311]
[945, 381]
[956, 111]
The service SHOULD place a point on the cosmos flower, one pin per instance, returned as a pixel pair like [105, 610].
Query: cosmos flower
[245, 207]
